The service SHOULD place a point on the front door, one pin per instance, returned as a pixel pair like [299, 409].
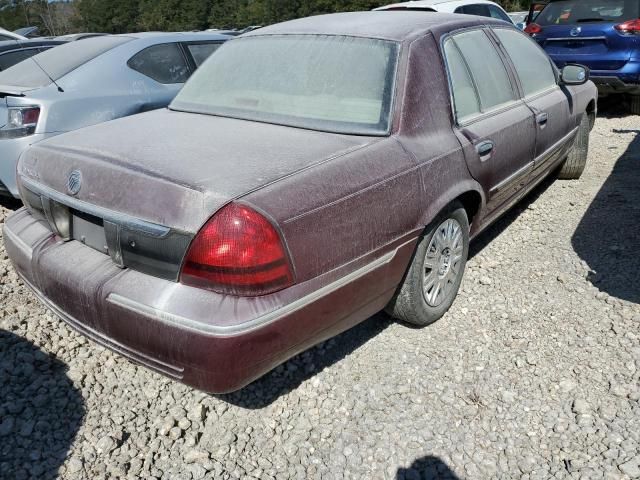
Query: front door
[548, 102]
[495, 128]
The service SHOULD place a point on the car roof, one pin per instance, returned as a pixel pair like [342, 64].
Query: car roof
[396, 25]
[171, 36]
[19, 44]
[435, 3]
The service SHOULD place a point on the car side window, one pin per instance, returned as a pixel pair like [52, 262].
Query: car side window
[477, 9]
[201, 51]
[9, 59]
[531, 63]
[164, 63]
[465, 98]
[487, 70]
[497, 13]
[4, 37]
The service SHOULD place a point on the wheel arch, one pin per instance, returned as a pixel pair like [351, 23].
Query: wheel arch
[468, 193]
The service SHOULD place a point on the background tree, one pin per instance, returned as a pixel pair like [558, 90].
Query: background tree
[123, 16]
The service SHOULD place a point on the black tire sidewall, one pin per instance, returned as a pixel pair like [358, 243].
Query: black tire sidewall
[423, 313]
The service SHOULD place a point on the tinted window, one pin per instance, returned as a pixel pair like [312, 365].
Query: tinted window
[58, 62]
[165, 63]
[4, 37]
[9, 59]
[479, 10]
[498, 13]
[532, 64]
[333, 83]
[589, 11]
[464, 94]
[201, 51]
[486, 68]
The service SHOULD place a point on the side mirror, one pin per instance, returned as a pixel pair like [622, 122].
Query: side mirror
[574, 75]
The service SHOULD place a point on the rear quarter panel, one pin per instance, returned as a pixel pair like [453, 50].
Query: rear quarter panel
[338, 211]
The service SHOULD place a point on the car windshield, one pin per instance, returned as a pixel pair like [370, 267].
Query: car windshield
[589, 11]
[321, 82]
[57, 62]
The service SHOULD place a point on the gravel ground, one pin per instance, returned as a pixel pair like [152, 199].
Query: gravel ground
[534, 374]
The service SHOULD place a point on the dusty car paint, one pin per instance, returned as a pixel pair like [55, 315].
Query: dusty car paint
[350, 208]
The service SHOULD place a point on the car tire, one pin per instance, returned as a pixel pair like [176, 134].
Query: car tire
[440, 258]
[634, 104]
[576, 161]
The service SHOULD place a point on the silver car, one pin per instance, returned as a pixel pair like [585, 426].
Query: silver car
[84, 83]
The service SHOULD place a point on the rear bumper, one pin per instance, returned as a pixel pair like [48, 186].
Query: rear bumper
[611, 84]
[623, 80]
[210, 341]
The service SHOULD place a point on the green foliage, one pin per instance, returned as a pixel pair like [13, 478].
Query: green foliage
[122, 16]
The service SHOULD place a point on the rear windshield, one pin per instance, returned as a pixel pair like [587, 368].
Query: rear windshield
[589, 11]
[58, 61]
[331, 83]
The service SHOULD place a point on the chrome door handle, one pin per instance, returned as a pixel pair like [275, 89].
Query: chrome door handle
[542, 119]
[484, 149]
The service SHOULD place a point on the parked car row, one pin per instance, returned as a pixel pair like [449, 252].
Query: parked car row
[307, 175]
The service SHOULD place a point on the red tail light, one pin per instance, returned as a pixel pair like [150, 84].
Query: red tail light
[533, 29]
[630, 27]
[238, 252]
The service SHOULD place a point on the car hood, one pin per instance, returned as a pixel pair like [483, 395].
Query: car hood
[174, 168]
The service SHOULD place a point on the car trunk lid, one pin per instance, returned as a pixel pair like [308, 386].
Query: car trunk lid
[176, 169]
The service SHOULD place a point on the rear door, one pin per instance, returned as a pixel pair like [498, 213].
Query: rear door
[539, 87]
[583, 31]
[496, 128]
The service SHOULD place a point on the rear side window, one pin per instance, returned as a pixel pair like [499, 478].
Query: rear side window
[478, 9]
[201, 51]
[589, 11]
[497, 13]
[532, 64]
[465, 98]
[164, 63]
[486, 68]
[58, 62]
[9, 59]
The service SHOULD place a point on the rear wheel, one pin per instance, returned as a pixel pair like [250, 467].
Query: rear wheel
[434, 276]
[634, 104]
[576, 161]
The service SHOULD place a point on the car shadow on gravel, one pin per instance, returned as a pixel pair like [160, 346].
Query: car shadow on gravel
[614, 106]
[497, 228]
[306, 365]
[427, 468]
[40, 411]
[608, 236]
[10, 203]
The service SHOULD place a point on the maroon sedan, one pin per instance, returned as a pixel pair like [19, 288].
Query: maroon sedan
[309, 175]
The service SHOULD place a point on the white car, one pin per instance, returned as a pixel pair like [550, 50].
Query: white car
[7, 35]
[482, 8]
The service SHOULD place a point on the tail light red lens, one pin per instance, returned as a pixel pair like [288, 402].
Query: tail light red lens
[238, 252]
[533, 29]
[630, 27]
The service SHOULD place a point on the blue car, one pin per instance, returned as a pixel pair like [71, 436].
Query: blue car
[604, 35]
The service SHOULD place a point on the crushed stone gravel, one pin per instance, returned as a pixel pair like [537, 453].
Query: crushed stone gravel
[533, 374]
